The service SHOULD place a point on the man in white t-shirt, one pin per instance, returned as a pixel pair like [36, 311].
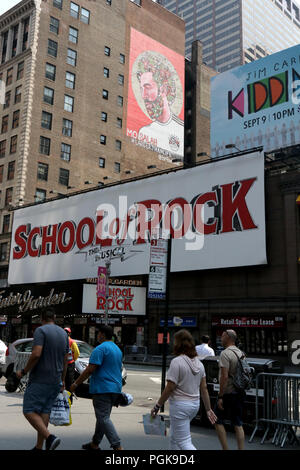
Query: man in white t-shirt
[203, 350]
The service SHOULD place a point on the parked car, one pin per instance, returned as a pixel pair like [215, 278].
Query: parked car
[3, 349]
[25, 346]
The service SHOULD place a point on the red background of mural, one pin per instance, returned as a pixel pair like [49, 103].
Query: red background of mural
[139, 43]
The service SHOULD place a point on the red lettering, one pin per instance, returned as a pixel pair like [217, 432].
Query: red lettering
[146, 225]
[200, 226]
[236, 205]
[19, 251]
[99, 224]
[33, 251]
[79, 233]
[63, 246]
[100, 303]
[49, 239]
[186, 217]
[127, 305]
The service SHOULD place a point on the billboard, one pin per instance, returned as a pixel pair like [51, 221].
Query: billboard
[215, 214]
[155, 109]
[257, 104]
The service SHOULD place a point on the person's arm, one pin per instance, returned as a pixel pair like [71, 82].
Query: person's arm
[169, 388]
[223, 384]
[84, 376]
[206, 400]
[32, 361]
[75, 350]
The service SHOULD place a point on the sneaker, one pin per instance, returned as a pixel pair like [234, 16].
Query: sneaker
[35, 448]
[52, 442]
[89, 447]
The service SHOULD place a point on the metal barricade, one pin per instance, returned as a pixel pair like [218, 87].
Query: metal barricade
[19, 364]
[135, 353]
[279, 413]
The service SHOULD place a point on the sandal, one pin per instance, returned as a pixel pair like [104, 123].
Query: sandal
[89, 447]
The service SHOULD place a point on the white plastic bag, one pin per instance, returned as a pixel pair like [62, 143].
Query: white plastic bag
[61, 410]
[155, 426]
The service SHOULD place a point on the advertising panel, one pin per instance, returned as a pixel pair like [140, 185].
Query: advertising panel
[155, 111]
[216, 219]
[257, 104]
[121, 300]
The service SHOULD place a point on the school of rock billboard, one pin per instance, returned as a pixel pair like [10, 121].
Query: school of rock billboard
[216, 220]
[155, 110]
[257, 104]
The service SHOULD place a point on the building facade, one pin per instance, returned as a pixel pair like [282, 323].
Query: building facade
[234, 32]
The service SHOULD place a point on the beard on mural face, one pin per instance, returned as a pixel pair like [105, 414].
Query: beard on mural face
[155, 108]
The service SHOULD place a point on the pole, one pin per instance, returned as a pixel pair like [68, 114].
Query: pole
[166, 321]
[107, 265]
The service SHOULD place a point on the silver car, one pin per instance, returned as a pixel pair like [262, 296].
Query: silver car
[25, 346]
[3, 349]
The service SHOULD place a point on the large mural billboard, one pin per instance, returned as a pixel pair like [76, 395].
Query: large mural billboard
[155, 110]
[257, 104]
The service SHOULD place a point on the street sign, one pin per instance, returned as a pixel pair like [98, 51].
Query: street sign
[158, 269]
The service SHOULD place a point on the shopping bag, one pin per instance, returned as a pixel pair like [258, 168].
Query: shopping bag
[155, 426]
[61, 410]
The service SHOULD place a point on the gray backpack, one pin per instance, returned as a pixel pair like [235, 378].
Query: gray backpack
[242, 380]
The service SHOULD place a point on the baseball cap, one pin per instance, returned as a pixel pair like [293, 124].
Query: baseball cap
[68, 330]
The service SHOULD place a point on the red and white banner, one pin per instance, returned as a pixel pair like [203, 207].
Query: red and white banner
[121, 300]
[215, 214]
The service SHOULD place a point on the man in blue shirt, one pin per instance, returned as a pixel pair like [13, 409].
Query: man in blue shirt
[105, 369]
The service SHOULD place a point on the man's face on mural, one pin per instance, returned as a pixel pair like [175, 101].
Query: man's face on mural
[151, 95]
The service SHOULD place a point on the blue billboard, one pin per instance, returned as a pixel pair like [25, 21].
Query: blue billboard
[257, 104]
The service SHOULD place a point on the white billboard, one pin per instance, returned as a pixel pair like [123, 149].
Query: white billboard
[214, 212]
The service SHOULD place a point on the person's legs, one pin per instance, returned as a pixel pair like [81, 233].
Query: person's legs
[102, 405]
[240, 437]
[219, 426]
[221, 433]
[40, 438]
[38, 424]
[181, 414]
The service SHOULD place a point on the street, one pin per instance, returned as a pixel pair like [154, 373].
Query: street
[143, 383]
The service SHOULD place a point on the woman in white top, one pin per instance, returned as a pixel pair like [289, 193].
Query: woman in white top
[185, 380]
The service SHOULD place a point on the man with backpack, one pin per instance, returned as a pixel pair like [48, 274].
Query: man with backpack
[234, 379]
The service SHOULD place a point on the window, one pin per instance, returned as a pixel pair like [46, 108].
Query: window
[20, 71]
[25, 34]
[101, 162]
[65, 153]
[106, 72]
[52, 48]
[16, 119]
[6, 223]
[54, 25]
[9, 76]
[103, 139]
[46, 120]
[117, 167]
[50, 72]
[8, 196]
[118, 145]
[1, 173]
[69, 103]
[40, 195]
[67, 127]
[74, 10]
[63, 176]
[45, 145]
[105, 94]
[85, 16]
[72, 57]
[18, 94]
[4, 126]
[48, 95]
[11, 170]
[119, 123]
[70, 80]
[107, 50]
[2, 148]
[14, 40]
[58, 3]
[7, 100]
[73, 35]
[13, 144]
[120, 101]
[121, 79]
[4, 46]
[122, 59]
[3, 251]
[104, 116]
[42, 171]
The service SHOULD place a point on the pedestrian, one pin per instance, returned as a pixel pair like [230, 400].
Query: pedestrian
[105, 370]
[230, 401]
[47, 365]
[185, 381]
[72, 357]
[203, 349]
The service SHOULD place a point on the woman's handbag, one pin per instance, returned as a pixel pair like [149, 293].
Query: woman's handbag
[155, 426]
[61, 410]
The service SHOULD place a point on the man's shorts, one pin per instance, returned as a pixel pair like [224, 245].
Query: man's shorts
[233, 408]
[39, 398]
